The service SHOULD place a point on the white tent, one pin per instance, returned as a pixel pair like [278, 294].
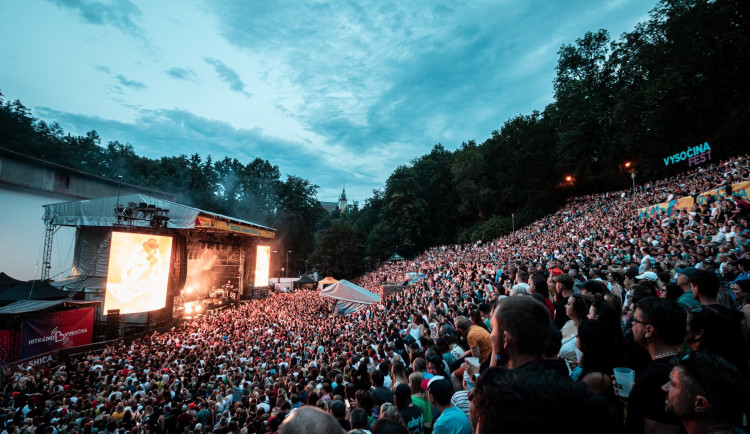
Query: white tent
[350, 297]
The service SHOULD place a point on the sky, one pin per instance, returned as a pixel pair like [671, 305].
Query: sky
[333, 92]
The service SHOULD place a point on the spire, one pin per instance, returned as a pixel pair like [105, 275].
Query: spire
[342, 200]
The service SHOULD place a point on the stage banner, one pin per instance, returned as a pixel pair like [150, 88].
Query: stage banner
[57, 330]
[207, 222]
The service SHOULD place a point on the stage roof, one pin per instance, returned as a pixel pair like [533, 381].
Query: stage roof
[100, 212]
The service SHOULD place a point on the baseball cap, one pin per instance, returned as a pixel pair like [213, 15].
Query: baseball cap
[648, 275]
[441, 390]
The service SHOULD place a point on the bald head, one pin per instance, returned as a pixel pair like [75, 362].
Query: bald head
[310, 420]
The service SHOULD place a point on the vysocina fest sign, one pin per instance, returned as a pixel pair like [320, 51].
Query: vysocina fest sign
[695, 155]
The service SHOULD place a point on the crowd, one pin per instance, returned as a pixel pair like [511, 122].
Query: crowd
[517, 334]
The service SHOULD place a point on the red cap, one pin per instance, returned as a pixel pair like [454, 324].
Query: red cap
[556, 272]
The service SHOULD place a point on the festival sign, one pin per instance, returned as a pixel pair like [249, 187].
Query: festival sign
[207, 222]
[695, 155]
[53, 331]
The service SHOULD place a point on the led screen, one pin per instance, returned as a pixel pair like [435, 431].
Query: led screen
[138, 272]
[262, 262]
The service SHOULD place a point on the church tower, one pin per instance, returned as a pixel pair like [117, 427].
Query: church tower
[342, 200]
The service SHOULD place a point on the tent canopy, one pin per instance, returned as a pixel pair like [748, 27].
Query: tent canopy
[328, 280]
[396, 257]
[305, 279]
[34, 290]
[350, 296]
[8, 281]
[27, 306]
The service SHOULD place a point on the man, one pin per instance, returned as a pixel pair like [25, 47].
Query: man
[659, 327]
[379, 393]
[480, 346]
[410, 413]
[477, 338]
[452, 420]
[705, 287]
[537, 401]
[310, 420]
[686, 300]
[338, 410]
[704, 393]
[520, 332]
[564, 287]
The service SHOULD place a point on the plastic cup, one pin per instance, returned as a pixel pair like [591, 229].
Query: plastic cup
[625, 378]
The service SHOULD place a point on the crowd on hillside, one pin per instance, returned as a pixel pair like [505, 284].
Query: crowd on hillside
[522, 332]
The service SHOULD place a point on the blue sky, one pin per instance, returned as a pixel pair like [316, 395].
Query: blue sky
[334, 92]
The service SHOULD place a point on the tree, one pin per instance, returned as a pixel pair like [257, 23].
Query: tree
[340, 250]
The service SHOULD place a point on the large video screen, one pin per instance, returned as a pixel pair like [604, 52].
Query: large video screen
[262, 265]
[138, 272]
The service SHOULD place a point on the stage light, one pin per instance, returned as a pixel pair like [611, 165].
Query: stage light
[188, 290]
[188, 310]
[199, 308]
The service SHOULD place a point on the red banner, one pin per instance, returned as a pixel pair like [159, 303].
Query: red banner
[54, 331]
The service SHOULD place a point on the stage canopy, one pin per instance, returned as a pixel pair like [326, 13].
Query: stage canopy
[100, 212]
[350, 297]
[327, 281]
[26, 306]
[8, 281]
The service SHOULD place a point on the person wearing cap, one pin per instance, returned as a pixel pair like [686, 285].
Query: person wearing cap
[452, 419]
[686, 301]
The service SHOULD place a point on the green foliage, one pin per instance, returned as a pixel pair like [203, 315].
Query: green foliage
[340, 250]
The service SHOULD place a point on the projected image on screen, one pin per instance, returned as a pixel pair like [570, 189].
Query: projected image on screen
[262, 265]
[138, 272]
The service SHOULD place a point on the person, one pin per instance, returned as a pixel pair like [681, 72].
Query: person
[659, 327]
[411, 414]
[741, 292]
[359, 422]
[451, 420]
[380, 393]
[687, 301]
[338, 410]
[537, 401]
[389, 426]
[577, 310]
[564, 289]
[420, 399]
[705, 287]
[479, 343]
[718, 330]
[312, 420]
[703, 392]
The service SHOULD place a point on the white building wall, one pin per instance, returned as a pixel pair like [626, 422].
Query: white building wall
[22, 235]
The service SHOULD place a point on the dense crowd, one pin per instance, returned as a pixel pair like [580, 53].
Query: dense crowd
[523, 332]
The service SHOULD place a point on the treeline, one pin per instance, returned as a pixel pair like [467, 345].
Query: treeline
[677, 80]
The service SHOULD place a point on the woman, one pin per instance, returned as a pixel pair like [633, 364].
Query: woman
[741, 291]
[419, 398]
[398, 375]
[576, 309]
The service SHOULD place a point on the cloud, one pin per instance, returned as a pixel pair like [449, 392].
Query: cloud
[228, 75]
[182, 74]
[121, 14]
[133, 84]
[158, 133]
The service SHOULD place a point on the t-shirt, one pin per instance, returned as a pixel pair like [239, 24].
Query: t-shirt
[424, 406]
[452, 421]
[687, 301]
[479, 337]
[414, 419]
[646, 400]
